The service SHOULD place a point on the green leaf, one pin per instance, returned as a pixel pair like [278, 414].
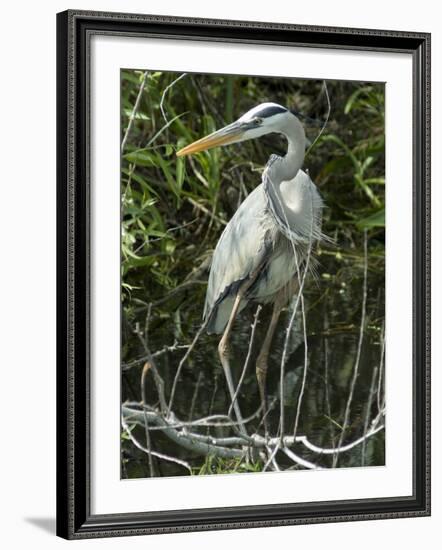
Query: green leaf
[136, 116]
[180, 171]
[140, 157]
[375, 220]
[375, 181]
[352, 100]
[345, 148]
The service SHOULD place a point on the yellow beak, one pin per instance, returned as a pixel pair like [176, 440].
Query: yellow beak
[230, 134]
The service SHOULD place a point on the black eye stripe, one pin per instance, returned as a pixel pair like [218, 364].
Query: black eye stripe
[270, 111]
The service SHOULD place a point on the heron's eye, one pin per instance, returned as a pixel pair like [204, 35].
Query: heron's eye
[257, 120]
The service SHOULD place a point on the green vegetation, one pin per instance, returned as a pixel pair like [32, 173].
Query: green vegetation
[174, 210]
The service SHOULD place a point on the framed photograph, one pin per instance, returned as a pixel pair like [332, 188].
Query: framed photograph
[243, 274]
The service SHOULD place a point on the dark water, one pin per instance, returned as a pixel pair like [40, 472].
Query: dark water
[333, 312]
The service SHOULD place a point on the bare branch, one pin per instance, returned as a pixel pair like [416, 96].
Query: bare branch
[181, 363]
[181, 438]
[163, 96]
[144, 373]
[258, 441]
[380, 397]
[299, 460]
[290, 325]
[325, 121]
[358, 354]
[304, 373]
[166, 349]
[159, 382]
[367, 413]
[272, 453]
[153, 453]
[195, 394]
[326, 380]
[247, 360]
[160, 131]
[207, 421]
[134, 111]
[324, 451]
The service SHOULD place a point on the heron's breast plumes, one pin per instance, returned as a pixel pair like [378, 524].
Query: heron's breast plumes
[295, 205]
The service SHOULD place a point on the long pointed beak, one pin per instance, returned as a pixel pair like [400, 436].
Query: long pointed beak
[229, 134]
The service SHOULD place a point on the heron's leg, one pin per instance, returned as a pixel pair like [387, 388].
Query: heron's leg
[280, 300]
[223, 350]
[262, 360]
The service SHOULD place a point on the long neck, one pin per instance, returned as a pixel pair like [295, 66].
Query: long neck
[285, 197]
[292, 162]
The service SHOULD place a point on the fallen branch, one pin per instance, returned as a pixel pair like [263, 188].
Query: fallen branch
[180, 437]
[220, 446]
[299, 460]
[154, 453]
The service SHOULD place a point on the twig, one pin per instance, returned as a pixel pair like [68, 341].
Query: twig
[224, 421]
[144, 373]
[381, 399]
[273, 461]
[206, 211]
[212, 402]
[163, 96]
[266, 414]
[150, 240]
[160, 131]
[141, 360]
[292, 319]
[272, 454]
[235, 440]
[268, 445]
[247, 360]
[191, 280]
[181, 363]
[326, 381]
[183, 439]
[134, 111]
[304, 373]
[358, 355]
[159, 382]
[195, 394]
[324, 451]
[153, 453]
[299, 460]
[210, 444]
[289, 234]
[367, 413]
[325, 121]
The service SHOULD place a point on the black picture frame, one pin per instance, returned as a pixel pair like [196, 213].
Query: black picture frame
[74, 518]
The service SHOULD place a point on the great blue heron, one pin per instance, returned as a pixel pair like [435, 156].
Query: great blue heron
[260, 252]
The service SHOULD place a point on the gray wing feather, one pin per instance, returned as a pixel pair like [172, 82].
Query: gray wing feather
[240, 250]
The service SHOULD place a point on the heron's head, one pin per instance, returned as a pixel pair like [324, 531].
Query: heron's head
[262, 119]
